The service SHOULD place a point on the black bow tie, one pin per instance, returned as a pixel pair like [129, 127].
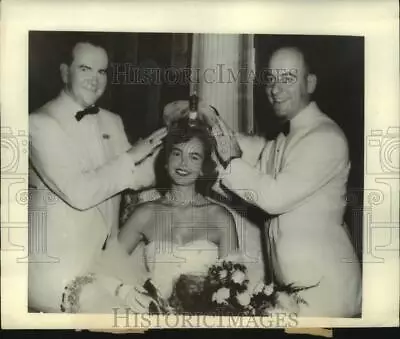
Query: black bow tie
[284, 127]
[88, 110]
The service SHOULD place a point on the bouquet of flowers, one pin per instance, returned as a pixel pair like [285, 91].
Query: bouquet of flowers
[225, 291]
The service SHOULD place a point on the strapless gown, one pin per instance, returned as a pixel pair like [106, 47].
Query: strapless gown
[166, 261]
[162, 261]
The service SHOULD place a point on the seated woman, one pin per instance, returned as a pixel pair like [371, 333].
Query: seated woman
[183, 230]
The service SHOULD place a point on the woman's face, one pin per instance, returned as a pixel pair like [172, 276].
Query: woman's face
[185, 162]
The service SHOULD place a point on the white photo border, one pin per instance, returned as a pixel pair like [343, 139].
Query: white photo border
[374, 20]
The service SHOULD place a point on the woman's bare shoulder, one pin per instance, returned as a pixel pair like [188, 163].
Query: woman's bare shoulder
[143, 211]
[219, 213]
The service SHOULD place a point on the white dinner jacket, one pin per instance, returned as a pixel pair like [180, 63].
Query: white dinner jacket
[303, 188]
[77, 171]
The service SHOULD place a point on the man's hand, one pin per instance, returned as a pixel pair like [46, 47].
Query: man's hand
[146, 147]
[227, 146]
[180, 109]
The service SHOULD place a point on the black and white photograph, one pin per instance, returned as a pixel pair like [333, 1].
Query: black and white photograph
[189, 164]
[181, 173]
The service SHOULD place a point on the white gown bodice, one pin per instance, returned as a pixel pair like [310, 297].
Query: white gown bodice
[166, 261]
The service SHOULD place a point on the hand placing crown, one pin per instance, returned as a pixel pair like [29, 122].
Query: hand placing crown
[194, 109]
[227, 146]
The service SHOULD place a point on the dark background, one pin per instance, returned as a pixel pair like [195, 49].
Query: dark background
[140, 105]
[338, 62]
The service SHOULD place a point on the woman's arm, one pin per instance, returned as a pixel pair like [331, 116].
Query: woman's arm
[134, 230]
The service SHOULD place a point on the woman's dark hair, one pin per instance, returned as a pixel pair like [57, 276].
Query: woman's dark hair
[179, 132]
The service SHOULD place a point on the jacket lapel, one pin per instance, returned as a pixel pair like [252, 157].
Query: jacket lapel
[108, 141]
[312, 120]
[63, 111]
[73, 130]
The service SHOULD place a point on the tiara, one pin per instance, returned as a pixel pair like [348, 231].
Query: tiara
[194, 110]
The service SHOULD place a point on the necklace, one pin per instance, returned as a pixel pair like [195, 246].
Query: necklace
[197, 200]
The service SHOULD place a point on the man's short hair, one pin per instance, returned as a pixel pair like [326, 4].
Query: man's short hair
[308, 64]
[307, 56]
[94, 39]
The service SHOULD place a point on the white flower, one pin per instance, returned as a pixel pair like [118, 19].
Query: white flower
[243, 298]
[221, 295]
[287, 302]
[269, 289]
[259, 288]
[238, 277]
[223, 274]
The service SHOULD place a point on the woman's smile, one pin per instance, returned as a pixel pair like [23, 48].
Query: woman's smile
[182, 172]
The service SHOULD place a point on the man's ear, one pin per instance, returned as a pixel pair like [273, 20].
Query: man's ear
[64, 70]
[311, 83]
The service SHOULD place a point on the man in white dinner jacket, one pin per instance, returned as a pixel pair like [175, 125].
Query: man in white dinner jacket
[80, 161]
[300, 180]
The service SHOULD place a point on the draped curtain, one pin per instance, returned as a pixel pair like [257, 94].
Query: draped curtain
[221, 76]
